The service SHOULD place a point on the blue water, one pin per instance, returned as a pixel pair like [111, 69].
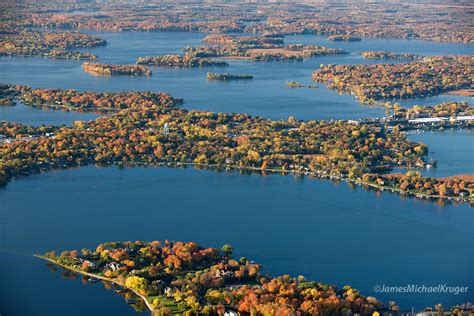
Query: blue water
[453, 149]
[402, 46]
[28, 115]
[323, 230]
[266, 95]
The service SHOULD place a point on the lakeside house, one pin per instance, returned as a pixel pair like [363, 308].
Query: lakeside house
[113, 266]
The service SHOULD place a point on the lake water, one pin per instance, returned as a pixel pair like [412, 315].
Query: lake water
[28, 115]
[453, 149]
[323, 230]
[266, 95]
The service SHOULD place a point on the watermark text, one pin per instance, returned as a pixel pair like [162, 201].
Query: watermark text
[421, 288]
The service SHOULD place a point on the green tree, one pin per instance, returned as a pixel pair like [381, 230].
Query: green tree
[227, 250]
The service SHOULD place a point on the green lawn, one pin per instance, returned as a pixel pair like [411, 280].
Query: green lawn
[171, 304]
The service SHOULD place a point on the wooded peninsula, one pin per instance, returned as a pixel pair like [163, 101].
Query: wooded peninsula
[186, 279]
[421, 78]
[388, 55]
[49, 44]
[175, 277]
[149, 128]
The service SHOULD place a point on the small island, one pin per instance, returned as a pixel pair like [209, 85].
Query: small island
[227, 76]
[115, 69]
[296, 84]
[179, 61]
[345, 38]
[64, 54]
[182, 277]
[387, 55]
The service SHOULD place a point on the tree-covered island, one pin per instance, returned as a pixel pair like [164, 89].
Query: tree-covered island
[428, 76]
[387, 55]
[149, 128]
[227, 39]
[344, 38]
[179, 61]
[227, 76]
[115, 69]
[263, 52]
[296, 84]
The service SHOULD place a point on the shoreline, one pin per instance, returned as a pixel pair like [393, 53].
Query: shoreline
[303, 168]
[462, 92]
[92, 275]
[312, 174]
